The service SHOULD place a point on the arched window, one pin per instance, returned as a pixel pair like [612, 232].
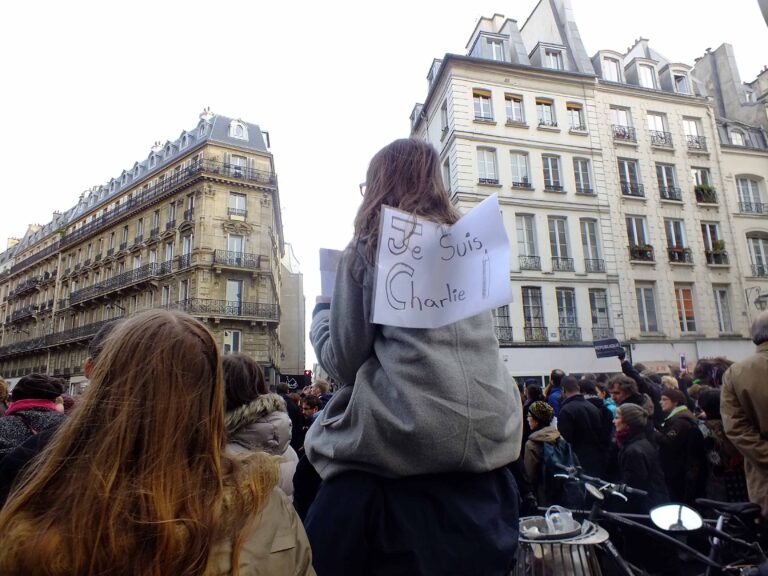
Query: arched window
[238, 130]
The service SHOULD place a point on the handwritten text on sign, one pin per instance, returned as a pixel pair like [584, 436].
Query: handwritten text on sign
[430, 275]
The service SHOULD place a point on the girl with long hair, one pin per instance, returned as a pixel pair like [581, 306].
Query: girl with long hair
[136, 482]
[412, 448]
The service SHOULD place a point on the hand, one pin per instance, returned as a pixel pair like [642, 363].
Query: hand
[622, 355]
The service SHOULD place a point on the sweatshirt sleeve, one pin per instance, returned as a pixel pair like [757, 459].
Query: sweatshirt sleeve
[342, 336]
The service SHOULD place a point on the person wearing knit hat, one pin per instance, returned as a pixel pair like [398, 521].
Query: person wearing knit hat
[32, 410]
[542, 412]
[540, 415]
[634, 416]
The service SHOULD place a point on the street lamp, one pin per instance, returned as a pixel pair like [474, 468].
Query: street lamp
[115, 305]
[760, 300]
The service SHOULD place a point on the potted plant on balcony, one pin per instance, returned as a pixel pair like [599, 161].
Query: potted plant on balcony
[718, 246]
[642, 252]
[705, 193]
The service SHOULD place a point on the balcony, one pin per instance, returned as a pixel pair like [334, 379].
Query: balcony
[624, 133]
[760, 270]
[696, 143]
[87, 262]
[562, 264]
[97, 258]
[155, 232]
[123, 246]
[524, 184]
[29, 285]
[237, 212]
[601, 332]
[481, 118]
[504, 334]
[138, 239]
[632, 189]
[250, 310]
[680, 255]
[547, 123]
[716, 257]
[594, 265]
[569, 333]
[491, 181]
[641, 252]
[236, 259]
[52, 249]
[170, 225]
[141, 274]
[584, 190]
[530, 262]
[705, 194]
[553, 187]
[110, 252]
[536, 334]
[661, 139]
[188, 214]
[753, 208]
[185, 261]
[672, 193]
[25, 312]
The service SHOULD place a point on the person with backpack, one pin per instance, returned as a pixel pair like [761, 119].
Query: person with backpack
[544, 450]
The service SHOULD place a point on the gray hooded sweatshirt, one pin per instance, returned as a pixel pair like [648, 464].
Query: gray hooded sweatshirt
[413, 401]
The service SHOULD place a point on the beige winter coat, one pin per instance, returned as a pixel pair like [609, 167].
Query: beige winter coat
[744, 407]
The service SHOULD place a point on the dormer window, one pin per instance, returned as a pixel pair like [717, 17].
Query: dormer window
[495, 49]
[201, 132]
[184, 141]
[736, 137]
[553, 59]
[124, 179]
[749, 96]
[611, 70]
[681, 83]
[136, 172]
[647, 76]
[238, 130]
[168, 150]
[152, 161]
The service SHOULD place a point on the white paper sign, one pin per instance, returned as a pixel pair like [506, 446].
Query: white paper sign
[440, 274]
[329, 263]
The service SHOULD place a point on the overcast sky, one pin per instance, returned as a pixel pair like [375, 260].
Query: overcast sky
[87, 87]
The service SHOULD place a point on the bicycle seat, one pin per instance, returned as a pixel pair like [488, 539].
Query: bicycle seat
[741, 509]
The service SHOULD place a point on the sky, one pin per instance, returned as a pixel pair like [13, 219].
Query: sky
[89, 86]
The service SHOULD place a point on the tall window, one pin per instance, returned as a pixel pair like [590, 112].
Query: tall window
[553, 59]
[581, 174]
[558, 237]
[621, 117]
[514, 108]
[701, 176]
[551, 166]
[533, 311]
[628, 177]
[589, 239]
[675, 234]
[444, 117]
[566, 307]
[710, 234]
[545, 110]
[486, 166]
[447, 174]
[526, 235]
[232, 340]
[646, 309]
[722, 309]
[125, 234]
[656, 122]
[183, 290]
[636, 231]
[575, 116]
[186, 245]
[519, 164]
[140, 227]
[155, 219]
[758, 253]
[665, 176]
[482, 104]
[611, 70]
[237, 204]
[647, 76]
[598, 303]
[501, 316]
[685, 315]
[691, 127]
[166, 295]
[495, 49]
[168, 251]
[171, 212]
[681, 83]
[749, 195]
[238, 165]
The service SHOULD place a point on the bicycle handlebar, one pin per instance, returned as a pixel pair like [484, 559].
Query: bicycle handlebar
[575, 473]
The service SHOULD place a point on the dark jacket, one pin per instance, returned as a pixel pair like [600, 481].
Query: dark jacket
[19, 426]
[606, 418]
[297, 422]
[16, 460]
[555, 399]
[639, 467]
[681, 450]
[645, 386]
[581, 426]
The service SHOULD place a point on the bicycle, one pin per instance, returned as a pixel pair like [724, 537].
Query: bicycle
[676, 519]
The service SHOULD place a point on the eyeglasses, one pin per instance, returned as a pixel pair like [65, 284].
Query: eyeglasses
[362, 188]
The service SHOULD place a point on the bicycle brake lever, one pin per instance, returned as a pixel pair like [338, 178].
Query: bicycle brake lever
[619, 494]
[562, 476]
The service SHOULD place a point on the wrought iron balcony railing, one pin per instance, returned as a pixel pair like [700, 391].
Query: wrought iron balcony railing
[188, 213]
[256, 310]
[170, 225]
[625, 133]
[236, 259]
[705, 194]
[584, 189]
[716, 258]
[696, 143]
[632, 189]
[154, 232]
[185, 261]
[641, 253]
[29, 285]
[760, 270]
[753, 208]
[671, 193]
[536, 334]
[237, 212]
[488, 180]
[562, 264]
[547, 123]
[679, 255]
[123, 246]
[504, 334]
[553, 187]
[525, 183]
[601, 332]
[123, 280]
[530, 263]
[569, 333]
[658, 138]
[594, 265]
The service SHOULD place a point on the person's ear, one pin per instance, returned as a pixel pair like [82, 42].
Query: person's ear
[88, 367]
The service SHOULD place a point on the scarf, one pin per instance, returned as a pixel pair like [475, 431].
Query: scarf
[622, 435]
[29, 404]
[674, 411]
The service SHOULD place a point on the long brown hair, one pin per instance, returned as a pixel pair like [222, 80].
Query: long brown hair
[405, 175]
[135, 482]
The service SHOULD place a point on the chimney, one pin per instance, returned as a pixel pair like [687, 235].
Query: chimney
[157, 146]
[206, 114]
[12, 242]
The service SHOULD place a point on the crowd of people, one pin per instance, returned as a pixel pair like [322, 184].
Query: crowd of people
[178, 460]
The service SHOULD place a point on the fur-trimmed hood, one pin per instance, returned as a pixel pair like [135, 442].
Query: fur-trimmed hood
[254, 411]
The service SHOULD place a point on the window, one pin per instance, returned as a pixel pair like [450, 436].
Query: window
[546, 112]
[237, 204]
[628, 178]
[234, 296]
[551, 166]
[701, 176]
[520, 175]
[665, 177]
[513, 105]
[238, 130]
[172, 212]
[140, 227]
[576, 116]
[125, 234]
[553, 59]
[447, 175]
[482, 102]
[681, 83]
[710, 234]
[501, 316]
[646, 309]
[723, 309]
[444, 118]
[657, 127]
[486, 166]
[232, 340]
[183, 290]
[168, 251]
[153, 256]
[685, 315]
[581, 175]
[533, 311]
[566, 308]
[736, 137]
[675, 234]
[621, 117]
[589, 240]
[186, 245]
[526, 235]
[750, 200]
[646, 76]
[166, 296]
[758, 253]
[156, 219]
[137, 262]
[558, 237]
[611, 70]
[621, 125]
[495, 49]
[598, 303]
[691, 126]
[636, 231]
